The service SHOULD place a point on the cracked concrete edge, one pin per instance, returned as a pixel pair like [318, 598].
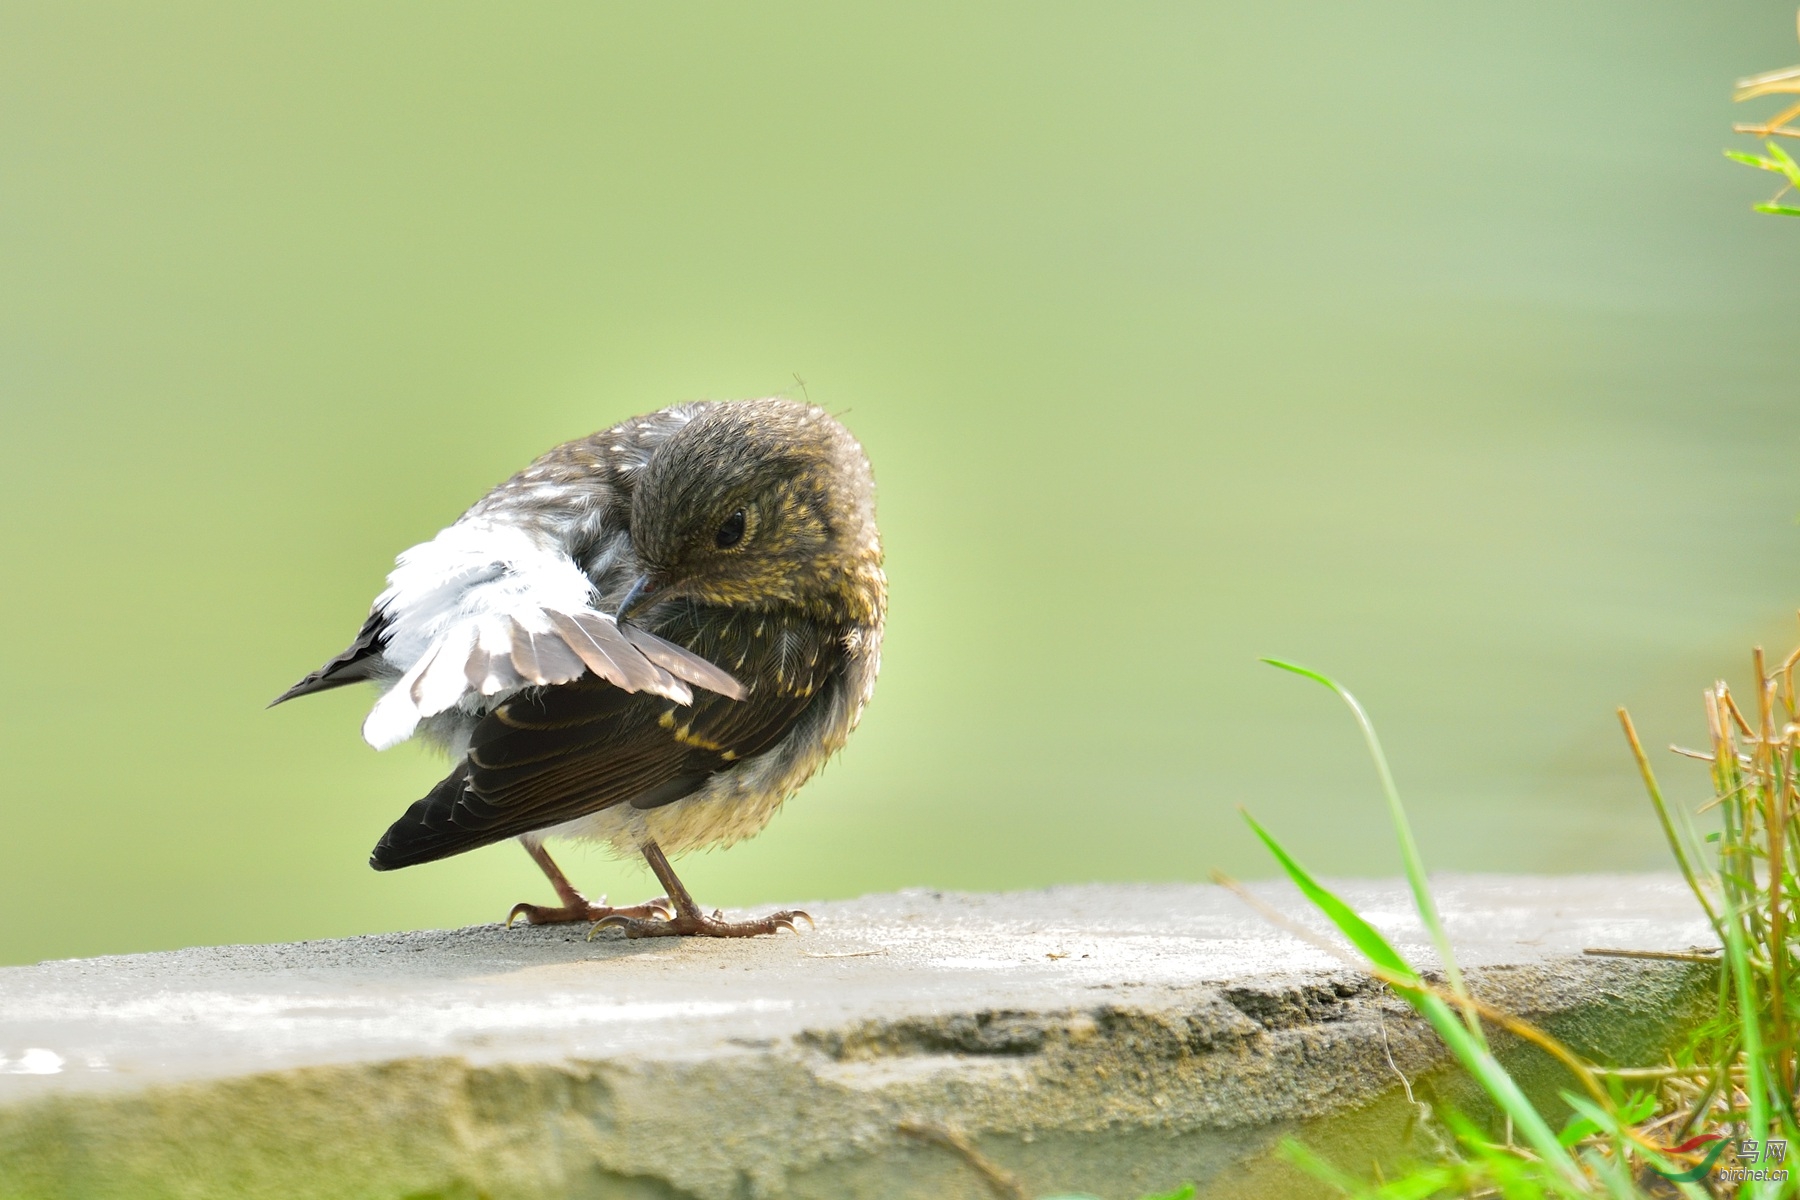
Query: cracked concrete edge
[1193, 1084]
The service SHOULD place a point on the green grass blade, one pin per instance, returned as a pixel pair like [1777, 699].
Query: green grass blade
[1756, 1080]
[1364, 936]
[1662, 815]
[1752, 160]
[1785, 163]
[1409, 848]
[1469, 1049]
[1419, 1184]
[1602, 1121]
[1502, 1089]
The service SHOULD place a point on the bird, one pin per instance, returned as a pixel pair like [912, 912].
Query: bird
[650, 638]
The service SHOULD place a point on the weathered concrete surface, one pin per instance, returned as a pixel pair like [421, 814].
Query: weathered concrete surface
[1103, 1038]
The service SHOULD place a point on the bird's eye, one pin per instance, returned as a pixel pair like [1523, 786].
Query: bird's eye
[731, 532]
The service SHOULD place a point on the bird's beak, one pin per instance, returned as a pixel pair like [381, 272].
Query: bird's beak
[642, 590]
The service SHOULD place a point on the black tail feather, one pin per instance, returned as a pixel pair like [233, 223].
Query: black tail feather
[428, 831]
[355, 664]
[318, 681]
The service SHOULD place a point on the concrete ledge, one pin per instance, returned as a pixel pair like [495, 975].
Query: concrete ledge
[1106, 1038]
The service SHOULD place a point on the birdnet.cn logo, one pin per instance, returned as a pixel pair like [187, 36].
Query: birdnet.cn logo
[1738, 1168]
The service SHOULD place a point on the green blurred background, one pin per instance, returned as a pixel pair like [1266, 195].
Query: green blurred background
[1431, 345]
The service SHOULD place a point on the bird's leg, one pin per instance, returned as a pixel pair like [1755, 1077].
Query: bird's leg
[687, 920]
[575, 906]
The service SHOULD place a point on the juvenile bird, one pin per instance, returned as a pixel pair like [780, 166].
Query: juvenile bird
[649, 637]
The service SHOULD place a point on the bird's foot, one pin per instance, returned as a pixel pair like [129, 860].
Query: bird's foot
[694, 924]
[589, 910]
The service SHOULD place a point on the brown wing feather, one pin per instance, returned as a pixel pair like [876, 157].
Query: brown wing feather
[550, 755]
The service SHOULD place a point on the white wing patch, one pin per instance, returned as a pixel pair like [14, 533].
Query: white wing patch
[485, 609]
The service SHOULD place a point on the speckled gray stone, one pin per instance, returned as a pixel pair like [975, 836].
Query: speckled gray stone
[1102, 1037]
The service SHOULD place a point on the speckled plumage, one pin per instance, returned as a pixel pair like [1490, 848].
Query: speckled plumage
[746, 659]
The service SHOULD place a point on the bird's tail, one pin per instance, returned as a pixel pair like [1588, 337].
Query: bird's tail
[354, 665]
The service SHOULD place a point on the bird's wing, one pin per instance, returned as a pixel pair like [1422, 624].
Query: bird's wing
[357, 663]
[484, 609]
[550, 756]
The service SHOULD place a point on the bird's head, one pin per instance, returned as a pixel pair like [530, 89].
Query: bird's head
[759, 504]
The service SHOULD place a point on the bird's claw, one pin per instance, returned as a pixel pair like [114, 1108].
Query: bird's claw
[786, 920]
[694, 924]
[591, 910]
[609, 921]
